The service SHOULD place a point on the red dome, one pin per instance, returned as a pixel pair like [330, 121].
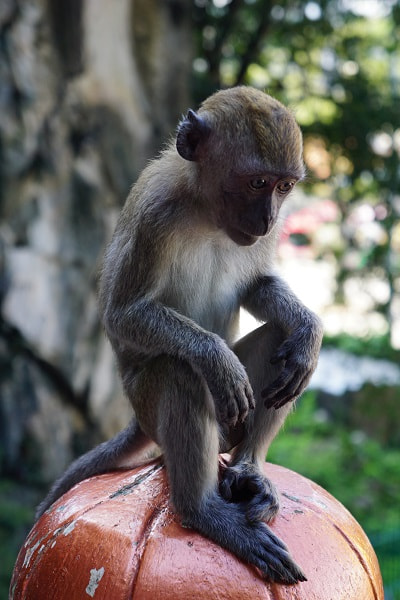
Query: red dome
[115, 537]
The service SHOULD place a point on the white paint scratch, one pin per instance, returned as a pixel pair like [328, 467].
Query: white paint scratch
[29, 554]
[95, 578]
[69, 528]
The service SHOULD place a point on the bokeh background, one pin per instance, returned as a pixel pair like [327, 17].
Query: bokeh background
[89, 91]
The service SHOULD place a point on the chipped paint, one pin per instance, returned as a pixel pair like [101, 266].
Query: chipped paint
[29, 554]
[12, 591]
[319, 502]
[290, 497]
[95, 578]
[69, 528]
[130, 487]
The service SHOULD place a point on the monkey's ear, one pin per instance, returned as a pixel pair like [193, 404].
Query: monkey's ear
[192, 131]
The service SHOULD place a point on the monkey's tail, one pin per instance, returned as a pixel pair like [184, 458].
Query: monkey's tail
[108, 456]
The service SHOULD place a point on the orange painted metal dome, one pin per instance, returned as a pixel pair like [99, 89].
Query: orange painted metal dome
[115, 537]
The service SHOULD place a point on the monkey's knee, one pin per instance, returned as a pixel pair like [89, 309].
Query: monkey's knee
[255, 352]
[259, 344]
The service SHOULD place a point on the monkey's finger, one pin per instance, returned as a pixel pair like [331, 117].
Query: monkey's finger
[293, 395]
[267, 559]
[221, 409]
[290, 398]
[250, 397]
[272, 390]
[276, 572]
[277, 397]
[273, 570]
[245, 401]
[278, 385]
[279, 566]
[274, 404]
[303, 384]
[279, 404]
[287, 380]
[243, 414]
[237, 408]
[232, 415]
[275, 539]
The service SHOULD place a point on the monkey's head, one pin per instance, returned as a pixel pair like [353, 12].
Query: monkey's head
[248, 150]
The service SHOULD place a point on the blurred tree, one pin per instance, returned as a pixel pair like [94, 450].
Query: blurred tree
[337, 62]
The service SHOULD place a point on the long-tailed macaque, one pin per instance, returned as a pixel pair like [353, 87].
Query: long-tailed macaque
[194, 243]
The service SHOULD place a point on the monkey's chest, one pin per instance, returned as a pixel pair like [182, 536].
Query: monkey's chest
[204, 285]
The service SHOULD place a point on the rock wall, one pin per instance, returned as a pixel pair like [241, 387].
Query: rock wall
[78, 121]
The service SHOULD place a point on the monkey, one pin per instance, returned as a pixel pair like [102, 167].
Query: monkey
[196, 241]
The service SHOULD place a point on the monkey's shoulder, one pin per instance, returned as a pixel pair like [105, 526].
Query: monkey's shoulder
[168, 181]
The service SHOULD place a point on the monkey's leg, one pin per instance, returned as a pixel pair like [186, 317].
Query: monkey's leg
[189, 437]
[243, 481]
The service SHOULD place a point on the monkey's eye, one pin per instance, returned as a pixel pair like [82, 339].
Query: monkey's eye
[284, 187]
[258, 183]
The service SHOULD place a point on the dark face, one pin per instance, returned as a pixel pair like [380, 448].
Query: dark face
[248, 148]
[251, 205]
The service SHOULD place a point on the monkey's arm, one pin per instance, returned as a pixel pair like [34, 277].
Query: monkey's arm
[270, 299]
[151, 329]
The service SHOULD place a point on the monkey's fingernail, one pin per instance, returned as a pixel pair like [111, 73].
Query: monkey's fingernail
[282, 403]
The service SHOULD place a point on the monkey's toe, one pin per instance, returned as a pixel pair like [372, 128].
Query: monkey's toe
[274, 559]
[263, 507]
[244, 484]
[240, 484]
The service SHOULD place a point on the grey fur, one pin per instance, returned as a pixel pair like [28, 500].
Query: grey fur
[195, 241]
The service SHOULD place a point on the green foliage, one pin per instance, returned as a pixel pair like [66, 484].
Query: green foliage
[357, 470]
[354, 468]
[338, 65]
[374, 346]
[387, 547]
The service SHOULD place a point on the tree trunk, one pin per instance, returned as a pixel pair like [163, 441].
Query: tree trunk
[89, 89]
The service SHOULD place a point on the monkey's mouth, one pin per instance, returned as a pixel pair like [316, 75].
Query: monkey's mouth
[241, 238]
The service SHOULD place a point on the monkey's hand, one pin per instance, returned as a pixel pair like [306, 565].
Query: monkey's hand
[229, 386]
[299, 357]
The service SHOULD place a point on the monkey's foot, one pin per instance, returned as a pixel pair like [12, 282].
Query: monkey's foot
[243, 483]
[255, 543]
